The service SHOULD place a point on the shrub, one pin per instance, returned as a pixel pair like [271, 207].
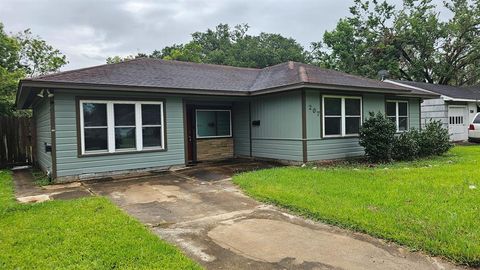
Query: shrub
[434, 139]
[405, 146]
[376, 136]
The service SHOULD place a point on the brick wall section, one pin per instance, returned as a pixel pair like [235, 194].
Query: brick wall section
[211, 149]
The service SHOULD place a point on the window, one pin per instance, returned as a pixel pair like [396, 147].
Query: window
[118, 126]
[151, 125]
[95, 127]
[213, 123]
[397, 112]
[342, 116]
[455, 120]
[124, 118]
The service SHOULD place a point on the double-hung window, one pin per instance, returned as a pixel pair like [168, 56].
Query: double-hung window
[397, 112]
[120, 126]
[342, 116]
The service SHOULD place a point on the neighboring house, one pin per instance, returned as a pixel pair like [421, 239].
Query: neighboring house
[456, 106]
[148, 114]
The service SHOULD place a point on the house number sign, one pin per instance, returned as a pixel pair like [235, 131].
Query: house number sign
[314, 110]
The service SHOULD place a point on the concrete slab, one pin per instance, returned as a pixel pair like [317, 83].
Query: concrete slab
[26, 191]
[208, 217]
[273, 240]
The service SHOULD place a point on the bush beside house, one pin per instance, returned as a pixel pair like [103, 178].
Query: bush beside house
[382, 144]
[377, 136]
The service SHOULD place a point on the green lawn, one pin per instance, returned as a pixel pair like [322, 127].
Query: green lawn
[88, 233]
[428, 205]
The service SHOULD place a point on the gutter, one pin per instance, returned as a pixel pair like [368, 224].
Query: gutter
[447, 98]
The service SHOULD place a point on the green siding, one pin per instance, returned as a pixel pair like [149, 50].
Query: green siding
[42, 125]
[336, 148]
[373, 103]
[331, 148]
[279, 135]
[68, 162]
[241, 128]
[414, 108]
[314, 114]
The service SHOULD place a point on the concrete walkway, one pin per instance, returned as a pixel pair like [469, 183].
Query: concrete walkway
[26, 191]
[203, 213]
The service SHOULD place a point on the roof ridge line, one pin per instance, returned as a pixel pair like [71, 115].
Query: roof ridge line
[195, 63]
[303, 74]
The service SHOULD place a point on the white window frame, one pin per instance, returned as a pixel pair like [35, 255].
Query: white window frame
[343, 116]
[111, 127]
[212, 110]
[397, 114]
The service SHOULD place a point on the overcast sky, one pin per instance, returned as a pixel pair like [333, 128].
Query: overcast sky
[88, 31]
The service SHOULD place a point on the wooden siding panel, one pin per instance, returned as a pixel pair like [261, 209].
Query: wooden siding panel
[434, 109]
[334, 149]
[280, 116]
[279, 135]
[42, 125]
[314, 114]
[277, 149]
[414, 113]
[68, 162]
[241, 128]
[373, 103]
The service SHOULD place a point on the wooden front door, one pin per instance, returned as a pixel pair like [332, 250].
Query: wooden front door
[191, 135]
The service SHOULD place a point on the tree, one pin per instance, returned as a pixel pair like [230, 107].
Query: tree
[36, 56]
[411, 42]
[117, 59]
[233, 46]
[23, 55]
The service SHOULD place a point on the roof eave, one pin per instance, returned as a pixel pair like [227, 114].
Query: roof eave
[83, 86]
[447, 98]
[190, 91]
[330, 87]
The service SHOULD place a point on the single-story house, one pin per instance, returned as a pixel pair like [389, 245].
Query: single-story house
[455, 107]
[149, 114]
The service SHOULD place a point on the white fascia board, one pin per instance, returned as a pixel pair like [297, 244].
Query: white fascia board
[411, 87]
[447, 98]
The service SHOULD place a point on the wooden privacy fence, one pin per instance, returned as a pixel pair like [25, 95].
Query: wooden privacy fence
[16, 145]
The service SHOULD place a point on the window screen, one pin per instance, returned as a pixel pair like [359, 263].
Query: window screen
[124, 115]
[397, 112]
[333, 116]
[152, 125]
[95, 126]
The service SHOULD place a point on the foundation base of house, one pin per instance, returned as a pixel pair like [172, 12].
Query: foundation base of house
[117, 175]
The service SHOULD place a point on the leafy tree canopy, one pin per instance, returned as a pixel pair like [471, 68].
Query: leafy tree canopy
[23, 55]
[231, 46]
[411, 41]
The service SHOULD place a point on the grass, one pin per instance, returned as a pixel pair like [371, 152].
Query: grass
[40, 178]
[89, 233]
[431, 205]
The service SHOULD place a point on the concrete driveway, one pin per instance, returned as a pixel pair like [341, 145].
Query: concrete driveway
[203, 213]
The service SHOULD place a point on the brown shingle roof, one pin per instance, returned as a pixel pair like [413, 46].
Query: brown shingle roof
[148, 72]
[162, 76]
[457, 92]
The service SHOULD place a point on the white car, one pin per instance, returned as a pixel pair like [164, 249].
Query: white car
[474, 129]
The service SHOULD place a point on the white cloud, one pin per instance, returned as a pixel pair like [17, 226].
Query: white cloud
[88, 31]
